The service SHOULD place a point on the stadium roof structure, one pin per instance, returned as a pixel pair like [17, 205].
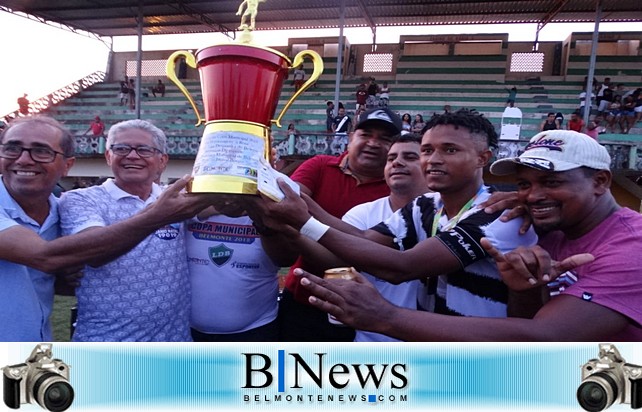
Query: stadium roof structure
[108, 18]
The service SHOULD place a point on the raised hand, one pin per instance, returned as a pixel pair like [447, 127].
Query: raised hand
[292, 210]
[175, 205]
[527, 267]
[508, 201]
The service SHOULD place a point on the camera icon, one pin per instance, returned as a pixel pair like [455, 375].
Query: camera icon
[608, 380]
[41, 379]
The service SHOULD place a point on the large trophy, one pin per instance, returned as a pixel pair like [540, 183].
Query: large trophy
[241, 85]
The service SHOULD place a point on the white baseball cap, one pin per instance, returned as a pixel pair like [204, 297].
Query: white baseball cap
[557, 151]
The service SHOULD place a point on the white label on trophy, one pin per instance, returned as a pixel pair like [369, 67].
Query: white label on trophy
[268, 185]
[230, 154]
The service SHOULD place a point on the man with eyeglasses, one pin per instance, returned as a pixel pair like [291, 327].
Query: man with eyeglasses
[35, 152]
[143, 295]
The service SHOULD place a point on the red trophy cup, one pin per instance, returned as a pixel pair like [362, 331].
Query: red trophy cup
[241, 85]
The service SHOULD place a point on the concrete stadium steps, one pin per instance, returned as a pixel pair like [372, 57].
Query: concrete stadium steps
[621, 69]
[174, 114]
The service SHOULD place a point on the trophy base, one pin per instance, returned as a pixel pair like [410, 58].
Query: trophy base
[223, 184]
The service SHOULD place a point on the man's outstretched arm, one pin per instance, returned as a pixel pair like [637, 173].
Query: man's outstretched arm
[359, 304]
[100, 245]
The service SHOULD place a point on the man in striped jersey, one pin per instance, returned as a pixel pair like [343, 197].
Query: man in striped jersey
[437, 236]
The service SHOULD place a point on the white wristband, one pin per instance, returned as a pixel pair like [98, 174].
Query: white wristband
[314, 229]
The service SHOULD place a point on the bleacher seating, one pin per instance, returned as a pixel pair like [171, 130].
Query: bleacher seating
[413, 92]
[621, 69]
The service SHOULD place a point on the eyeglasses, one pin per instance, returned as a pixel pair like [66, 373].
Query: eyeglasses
[37, 154]
[125, 149]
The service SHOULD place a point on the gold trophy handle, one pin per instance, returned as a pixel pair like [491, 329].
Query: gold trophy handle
[317, 62]
[171, 74]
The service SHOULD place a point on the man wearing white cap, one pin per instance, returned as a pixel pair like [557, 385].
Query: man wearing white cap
[563, 180]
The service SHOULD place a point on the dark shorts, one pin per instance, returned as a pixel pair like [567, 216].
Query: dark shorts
[303, 323]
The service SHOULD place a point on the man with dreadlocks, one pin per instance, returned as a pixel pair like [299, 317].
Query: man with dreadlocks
[437, 236]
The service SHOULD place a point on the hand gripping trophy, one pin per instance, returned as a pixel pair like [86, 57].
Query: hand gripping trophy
[241, 84]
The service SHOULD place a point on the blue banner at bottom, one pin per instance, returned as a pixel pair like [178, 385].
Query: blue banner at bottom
[320, 376]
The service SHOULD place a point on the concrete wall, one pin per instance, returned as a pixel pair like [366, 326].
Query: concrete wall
[609, 44]
[570, 60]
[119, 63]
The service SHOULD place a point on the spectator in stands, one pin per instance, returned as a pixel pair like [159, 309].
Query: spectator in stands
[159, 88]
[292, 129]
[627, 114]
[298, 77]
[373, 90]
[593, 128]
[601, 87]
[575, 123]
[606, 97]
[549, 123]
[582, 97]
[418, 124]
[30, 247]
[512, 95]
[329, 116]
[357, 115]
[337, 185]
[341, 127]
[361, 97]
[150, 280]
[406, 123]
[23, 105]
[620, 90]
[613, 113]
[292, 134]
[131, 90]
[182, 68]
[447, 109]
[637, 96]
[124, 93]
[97, 127]
[559, 118]
[384, 95]
[342, 123]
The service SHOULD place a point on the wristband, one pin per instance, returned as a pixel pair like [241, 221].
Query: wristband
[314, 229]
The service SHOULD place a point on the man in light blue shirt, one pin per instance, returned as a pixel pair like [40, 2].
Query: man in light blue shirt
[34, 302]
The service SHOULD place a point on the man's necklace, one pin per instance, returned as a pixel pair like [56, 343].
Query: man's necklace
[452, 222]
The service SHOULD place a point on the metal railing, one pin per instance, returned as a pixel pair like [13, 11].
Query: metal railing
[59, 95]
[178, 146]
[624, 155]
[309, 144]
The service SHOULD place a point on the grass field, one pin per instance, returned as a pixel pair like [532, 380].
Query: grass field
[61, 317]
